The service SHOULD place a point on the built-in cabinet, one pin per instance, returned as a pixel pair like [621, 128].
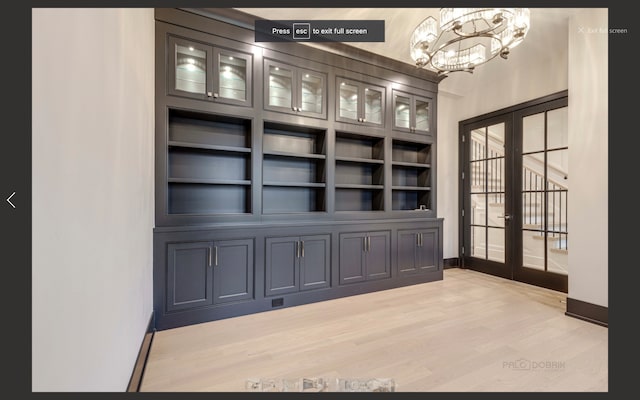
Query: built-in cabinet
[285, 174]
[209, 73]
[412, 113]
[364, 256]
[417, 251]
[297, 263]
[294, 90]
[206, 273]
[359, 102]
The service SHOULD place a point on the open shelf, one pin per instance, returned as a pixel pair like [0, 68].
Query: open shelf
[359, 147]
[293, 169]
[290, 199]
[408, 199]
[410, 188]
[350, 186]
[411, 152]
[197, 198]
[410, 164]
[359, 160]
[208, 164]
[359, 199]
[410, 176]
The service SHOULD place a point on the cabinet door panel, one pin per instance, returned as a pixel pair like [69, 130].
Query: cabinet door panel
[233, 270]
[232, 77]
[428, 251]
[188, 276]
[315, 262]
[407, 243]
[378, 260]
[281, 273]
[352, 267]
[189, 67]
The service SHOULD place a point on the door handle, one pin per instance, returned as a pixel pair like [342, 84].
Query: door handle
[506, 217]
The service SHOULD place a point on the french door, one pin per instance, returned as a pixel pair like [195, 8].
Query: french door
[514, 190]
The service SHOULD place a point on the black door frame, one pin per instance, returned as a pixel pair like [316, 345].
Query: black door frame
[513, 240]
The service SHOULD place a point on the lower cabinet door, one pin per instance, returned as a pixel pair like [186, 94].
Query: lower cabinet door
[407, 252]
[232, 270]
[315, 256]
[427, 252]
[378, 255]
[189, 282]
[281, 265]
[352, 257]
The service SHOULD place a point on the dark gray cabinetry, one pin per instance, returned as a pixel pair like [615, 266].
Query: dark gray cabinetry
[207, 273]
[205, 72]
[364, 256]
[294, 90]
[189, 283]
[297, 263]
[417, 251]
[360, 103]
[412, 113]
[285, 174]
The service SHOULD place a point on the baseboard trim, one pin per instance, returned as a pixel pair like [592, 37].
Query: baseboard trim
[141, 362]
[588, 312]
[450, 263]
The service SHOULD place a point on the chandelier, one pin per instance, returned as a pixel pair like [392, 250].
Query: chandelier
[467, 37]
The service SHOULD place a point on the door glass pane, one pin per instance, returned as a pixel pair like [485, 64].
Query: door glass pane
[495, 244]
[312, 92]
[373, 105]
[557, 128]
[280, 87]
[233, 77]
[478, 179]
[348, 101]
[533, 249]
[478, 242]
[533, 133]
[402, 111]
[533, 196]
[478, 144]
[558, 254]
[558, 169]
[422, 115]
[191, 67]
[478, 209]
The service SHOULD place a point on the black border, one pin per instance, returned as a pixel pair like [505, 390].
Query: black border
[15, 166]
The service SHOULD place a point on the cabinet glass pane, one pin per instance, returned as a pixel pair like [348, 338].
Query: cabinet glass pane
[402, 111]
[422, 115]
[191, 67]
[311, 91]
[280, 87]
[373, 105]
[348, 101]
[233, 77]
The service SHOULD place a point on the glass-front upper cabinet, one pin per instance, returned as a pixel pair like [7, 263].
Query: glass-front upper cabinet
[412, 113]
[209, 73]
[294, 90]
[359, 102]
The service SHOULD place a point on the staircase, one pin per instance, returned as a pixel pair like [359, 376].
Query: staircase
[533, 216]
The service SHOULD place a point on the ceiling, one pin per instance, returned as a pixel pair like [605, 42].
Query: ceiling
[547, 26]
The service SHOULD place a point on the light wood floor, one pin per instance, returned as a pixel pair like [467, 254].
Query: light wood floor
[470, 332]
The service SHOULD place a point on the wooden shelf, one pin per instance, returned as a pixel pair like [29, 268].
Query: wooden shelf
[296, 184]
[410, 164]
[294, 155]
[350, 186]
[360, 160]
[211, 181]
[189, 145]
[411, 188]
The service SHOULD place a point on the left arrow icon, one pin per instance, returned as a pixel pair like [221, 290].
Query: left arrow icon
[9, 199]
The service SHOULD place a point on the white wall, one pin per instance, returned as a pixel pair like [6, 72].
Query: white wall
[93, 124]
[531, 71]
[588, 150]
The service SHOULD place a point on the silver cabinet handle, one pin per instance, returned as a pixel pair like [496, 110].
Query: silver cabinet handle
[216, 255]
[215, 95]
[302, 248]
[210, 250]
[297, 249]
[364, 244]
[209, 94]
[368, 243]
[421, 238]
[418, 239]
[364, 120]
